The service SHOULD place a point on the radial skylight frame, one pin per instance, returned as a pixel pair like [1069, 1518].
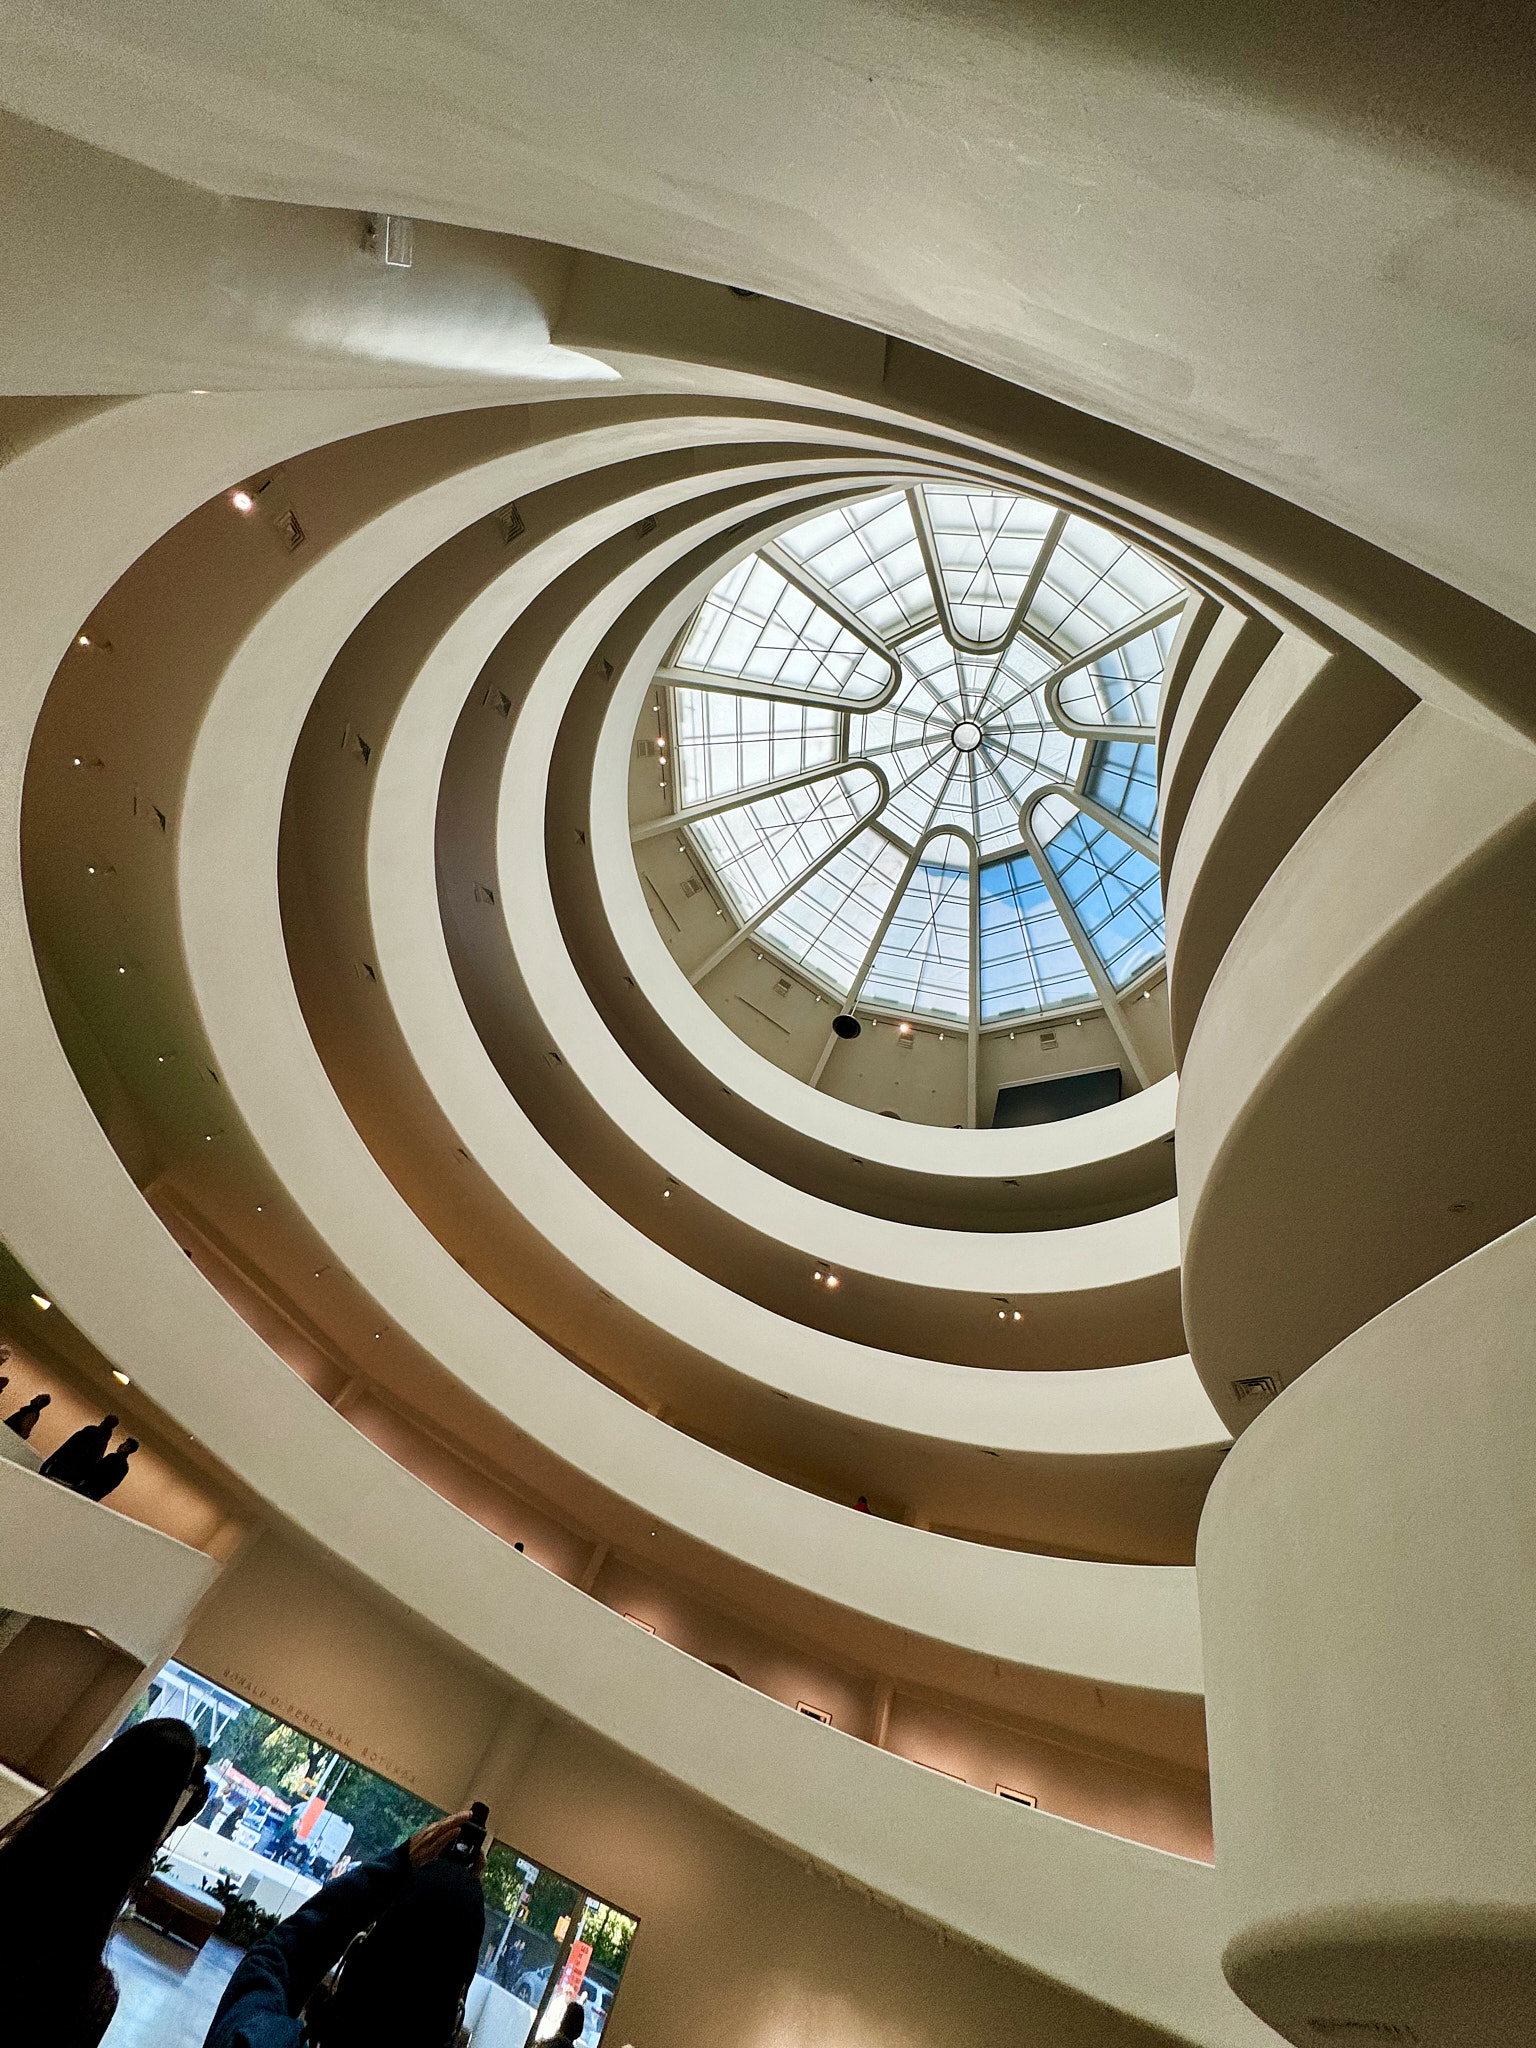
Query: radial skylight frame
[967, 734]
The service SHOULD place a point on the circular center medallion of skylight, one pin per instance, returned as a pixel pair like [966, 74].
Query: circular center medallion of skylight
[905, 754]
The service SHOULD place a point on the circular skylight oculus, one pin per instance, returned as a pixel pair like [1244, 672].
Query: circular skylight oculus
[912, 748]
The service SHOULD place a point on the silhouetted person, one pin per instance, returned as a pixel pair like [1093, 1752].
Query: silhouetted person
[861, 1505]
[83, 1848]
[24, 1421]
[572, 2020]
[401, 1986]
[81, 1453]
[5, 1381]
[108, 1473]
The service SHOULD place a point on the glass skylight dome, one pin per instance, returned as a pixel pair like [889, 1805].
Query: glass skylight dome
[913, 746]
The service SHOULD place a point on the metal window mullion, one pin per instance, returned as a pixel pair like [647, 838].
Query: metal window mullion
[1092, 808]
[973, 1032]
[1098, 974]
[1016, 625]
[872, 950]
[1145, 622]
[766, 910]
[739, 799]
[801, 579]
[782, 693]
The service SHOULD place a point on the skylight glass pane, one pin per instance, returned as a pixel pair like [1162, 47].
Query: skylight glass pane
[1015, 689]
[757, 626]
[827, 926]
[722, 743]
[979, 791]
[986, 545]
[963, 740]
[760, 847]
[1093, 584]
[1123, 687]
[1115, 891]
[1028, 962]
[1123, 778]
[924, 962]
[869, 557]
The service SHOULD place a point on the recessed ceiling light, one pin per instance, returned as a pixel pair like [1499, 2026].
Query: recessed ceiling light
[78, 762]
[817, 1275]
[833, 1281]
[1002, 1315]
[242, 501]
[41, 1301]
[121, 1378]
[1018, 1315]
[84, 640]
[90, 871]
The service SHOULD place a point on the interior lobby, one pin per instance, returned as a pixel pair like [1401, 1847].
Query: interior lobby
[748, 756]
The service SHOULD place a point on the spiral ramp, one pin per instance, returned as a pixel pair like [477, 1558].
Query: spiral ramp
[367, 1124]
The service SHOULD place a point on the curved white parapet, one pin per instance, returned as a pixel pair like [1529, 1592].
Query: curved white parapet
[1013, 1608]
[1366, 1565]
[1303, 725]
[77, 1560]
[1018, 1892]
[1127, 1249]
[1326, 1130]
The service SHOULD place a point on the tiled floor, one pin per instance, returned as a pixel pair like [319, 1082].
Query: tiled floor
[166, 1994]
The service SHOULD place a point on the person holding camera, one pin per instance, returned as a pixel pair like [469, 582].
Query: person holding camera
[406, 1931]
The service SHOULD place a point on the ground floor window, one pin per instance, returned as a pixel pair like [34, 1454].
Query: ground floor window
[286, 1812]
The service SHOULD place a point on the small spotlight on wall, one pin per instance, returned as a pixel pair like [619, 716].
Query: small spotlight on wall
[121, 1378]
[41, 1301]
[242, 501]
[1018, 1315]
[1002, 1315]
[833, 1281]
[905, 1030]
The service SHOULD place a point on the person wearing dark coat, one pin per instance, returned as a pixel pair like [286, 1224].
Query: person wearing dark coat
[108, 1473]
[402, 1985]
[85, 1846]
[24, 1421]
[79, 1454]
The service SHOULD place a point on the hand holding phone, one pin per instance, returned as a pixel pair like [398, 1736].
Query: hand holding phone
[468, 1845]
